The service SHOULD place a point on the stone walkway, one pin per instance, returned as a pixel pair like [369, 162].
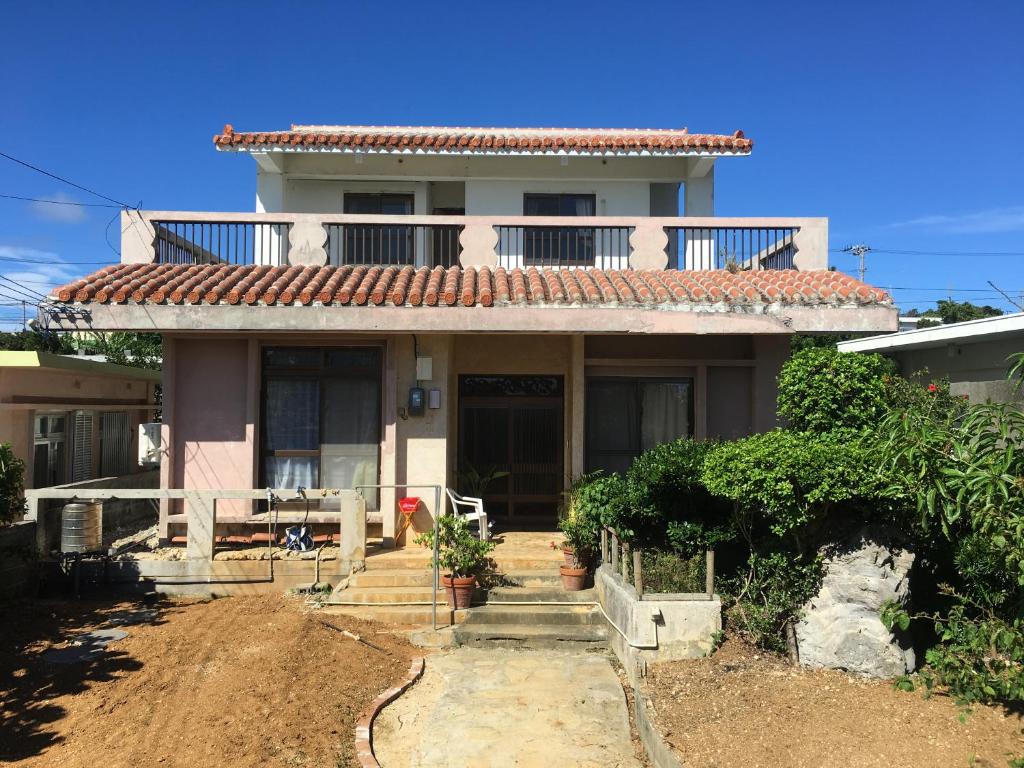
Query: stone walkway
[491, 708]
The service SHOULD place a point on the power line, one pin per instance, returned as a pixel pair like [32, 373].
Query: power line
[33, 294]
[37, 169]
[904, 252]
[20, 260]
[60, 202]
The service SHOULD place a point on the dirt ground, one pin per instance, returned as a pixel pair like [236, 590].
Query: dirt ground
[744, 708]
[233, 682]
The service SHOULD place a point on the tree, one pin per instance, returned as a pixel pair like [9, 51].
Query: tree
[950, 311]
[823, 390]
[35, 341]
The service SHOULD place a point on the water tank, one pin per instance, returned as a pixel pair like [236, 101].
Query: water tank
[81, 528]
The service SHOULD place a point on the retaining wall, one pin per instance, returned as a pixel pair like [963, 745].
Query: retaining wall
[19, 565]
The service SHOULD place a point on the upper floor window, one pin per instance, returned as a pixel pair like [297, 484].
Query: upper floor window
[378, 243]
[553, 246]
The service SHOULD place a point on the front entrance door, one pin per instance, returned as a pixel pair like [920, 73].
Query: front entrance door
[512, 426]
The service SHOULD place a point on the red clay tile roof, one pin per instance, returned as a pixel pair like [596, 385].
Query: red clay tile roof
[440, 287]
[410, 139]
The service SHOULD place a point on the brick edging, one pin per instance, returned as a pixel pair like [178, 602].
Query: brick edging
[364, 725]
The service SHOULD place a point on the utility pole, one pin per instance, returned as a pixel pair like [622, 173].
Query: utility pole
[859, 250]
[24, 317]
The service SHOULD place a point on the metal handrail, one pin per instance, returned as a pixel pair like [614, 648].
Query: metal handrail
[437, 517]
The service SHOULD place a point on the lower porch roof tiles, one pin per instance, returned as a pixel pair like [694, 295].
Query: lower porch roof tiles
[346, 286]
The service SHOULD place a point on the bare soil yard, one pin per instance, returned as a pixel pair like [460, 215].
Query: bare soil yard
[745, 708]
[233, 682]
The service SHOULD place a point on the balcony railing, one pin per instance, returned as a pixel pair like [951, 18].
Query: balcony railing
[445, 241]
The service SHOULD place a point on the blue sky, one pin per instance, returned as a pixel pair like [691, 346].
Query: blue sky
[899, 121]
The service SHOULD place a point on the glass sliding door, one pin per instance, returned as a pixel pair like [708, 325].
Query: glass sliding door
[627, 416]
[558, 246]
[321, 417]
[379, 243]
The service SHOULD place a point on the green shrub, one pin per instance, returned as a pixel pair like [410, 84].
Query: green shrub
[668, 501]
[460, 552]
[789, 480]
[672, 572]
[12, 485]
[824, 390]
[580, 520]
[603, 498]
[765, 601]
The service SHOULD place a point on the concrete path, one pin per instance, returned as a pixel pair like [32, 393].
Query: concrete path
[496, 708]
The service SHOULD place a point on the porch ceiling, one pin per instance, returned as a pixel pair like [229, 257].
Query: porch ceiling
[397, 299]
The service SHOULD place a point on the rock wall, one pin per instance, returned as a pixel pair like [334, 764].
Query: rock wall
[841, 627]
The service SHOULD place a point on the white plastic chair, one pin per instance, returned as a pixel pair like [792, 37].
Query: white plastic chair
[474, 511]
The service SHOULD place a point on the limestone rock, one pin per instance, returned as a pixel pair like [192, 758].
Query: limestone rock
[841, 627]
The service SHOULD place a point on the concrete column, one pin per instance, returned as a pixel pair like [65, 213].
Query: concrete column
[577, 408]
[811, 245]
[478, 242]
[389, 448]
[269, 191]
[201, 509]
[167, 433]
[648, 242]
[353, 530]
[137, 239]
[699, 194]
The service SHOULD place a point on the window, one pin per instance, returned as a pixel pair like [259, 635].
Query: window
[625, 417]
[379, 243]
[48, 459]
[558, 245]
[321, 418]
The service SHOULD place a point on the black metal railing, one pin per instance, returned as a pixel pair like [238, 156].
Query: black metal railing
[398, 244]
[735, 248]
[556, 246]
[208, 242]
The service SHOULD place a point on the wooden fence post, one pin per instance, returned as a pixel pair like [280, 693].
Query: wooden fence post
[638, 579]
[615, 551]
[709, 574]
[604, 546]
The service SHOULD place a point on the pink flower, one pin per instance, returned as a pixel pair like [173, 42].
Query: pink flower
[932, 388]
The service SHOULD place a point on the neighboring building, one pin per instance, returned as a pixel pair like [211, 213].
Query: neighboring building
[408, 303]
[72, 420]
[973, 355]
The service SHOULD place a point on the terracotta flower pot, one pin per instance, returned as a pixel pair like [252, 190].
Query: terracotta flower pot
[569, 556]
[573, 579]
[459, 590]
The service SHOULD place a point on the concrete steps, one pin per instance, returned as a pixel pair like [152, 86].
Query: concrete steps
[533, 626]
[398, 615]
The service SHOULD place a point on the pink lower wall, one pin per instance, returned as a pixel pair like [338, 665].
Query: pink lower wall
[212, 430]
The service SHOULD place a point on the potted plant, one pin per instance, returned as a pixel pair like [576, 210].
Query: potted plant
[580, 526]
[474, 483]
[461, 555]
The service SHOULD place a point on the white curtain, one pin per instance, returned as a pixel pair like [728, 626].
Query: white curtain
[351, 437]
[665, 412]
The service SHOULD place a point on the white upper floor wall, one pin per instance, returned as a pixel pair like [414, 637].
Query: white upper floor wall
[628, 172]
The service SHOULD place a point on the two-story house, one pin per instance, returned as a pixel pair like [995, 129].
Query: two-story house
[408, 305]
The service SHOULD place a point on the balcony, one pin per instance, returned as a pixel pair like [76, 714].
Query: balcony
[278, 239]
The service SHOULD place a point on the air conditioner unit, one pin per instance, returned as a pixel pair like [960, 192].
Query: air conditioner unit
[149, 444]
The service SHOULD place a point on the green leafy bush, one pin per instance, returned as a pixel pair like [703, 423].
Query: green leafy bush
[603, 498]
[788, 480]
[580, 521]
[12, 485]
[671, 572]
[977, 659]
[668, 501]
[824, 390]
[766, 600]
[461, 553]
